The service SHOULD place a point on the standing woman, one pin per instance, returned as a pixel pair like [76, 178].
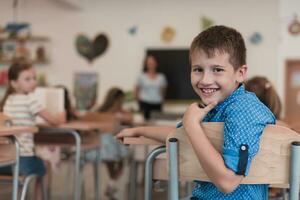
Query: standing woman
[150, 88]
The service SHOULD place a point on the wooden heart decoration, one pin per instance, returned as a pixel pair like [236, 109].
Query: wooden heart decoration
[91, 49]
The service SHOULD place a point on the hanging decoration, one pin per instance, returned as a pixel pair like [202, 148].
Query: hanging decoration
[256, 38]
[91, 49]
[206, 22]
[133, 30]
[167, 34]
[294, 26]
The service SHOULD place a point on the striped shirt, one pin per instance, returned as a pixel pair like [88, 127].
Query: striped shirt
[22, 108]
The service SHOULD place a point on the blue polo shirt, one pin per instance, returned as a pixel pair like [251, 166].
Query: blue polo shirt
[245, 118]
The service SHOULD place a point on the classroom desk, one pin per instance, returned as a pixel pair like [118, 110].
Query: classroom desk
[79, 132]
[10, 159]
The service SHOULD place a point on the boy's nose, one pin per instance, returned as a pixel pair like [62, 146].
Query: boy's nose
[206, 78]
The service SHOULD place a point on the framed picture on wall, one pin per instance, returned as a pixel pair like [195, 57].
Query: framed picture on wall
[85, 89]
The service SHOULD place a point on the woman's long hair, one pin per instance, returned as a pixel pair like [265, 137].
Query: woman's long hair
[14, 72]
[112, 96]
[67, 104]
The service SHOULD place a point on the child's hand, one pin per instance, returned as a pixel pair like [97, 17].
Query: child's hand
[194, 114]
[62, 117]
[127, 132]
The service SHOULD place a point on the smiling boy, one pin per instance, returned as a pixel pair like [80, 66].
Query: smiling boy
[218, 61]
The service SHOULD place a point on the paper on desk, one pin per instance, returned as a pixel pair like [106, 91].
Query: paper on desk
[52, 99]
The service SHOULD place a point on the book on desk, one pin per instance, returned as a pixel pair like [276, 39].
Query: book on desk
[52, 99]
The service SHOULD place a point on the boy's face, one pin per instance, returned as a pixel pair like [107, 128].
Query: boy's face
[26, 82]
[213, 79]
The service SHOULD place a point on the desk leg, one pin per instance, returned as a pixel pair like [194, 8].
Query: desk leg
[173, 191]
[132, 179]
[295, 168]
[16, 169]
[76, 135]
[97, 172]
[77, 181]
[148, 170]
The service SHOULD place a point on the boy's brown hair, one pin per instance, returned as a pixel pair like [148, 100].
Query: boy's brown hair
[224, 40]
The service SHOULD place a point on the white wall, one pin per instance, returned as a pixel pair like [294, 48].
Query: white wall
[289, 46]
[122, 62]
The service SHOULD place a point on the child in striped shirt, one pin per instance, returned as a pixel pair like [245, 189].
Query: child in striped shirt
[21, 106]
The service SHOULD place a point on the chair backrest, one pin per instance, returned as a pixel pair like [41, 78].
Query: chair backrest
[270, 166]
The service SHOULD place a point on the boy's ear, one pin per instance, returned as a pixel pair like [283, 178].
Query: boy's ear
[241, 73]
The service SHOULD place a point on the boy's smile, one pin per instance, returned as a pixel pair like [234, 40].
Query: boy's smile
[214, 78]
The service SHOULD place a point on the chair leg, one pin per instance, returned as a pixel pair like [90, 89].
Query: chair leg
[97, 179]
[189, 188]
[69, 171]
[27, 180]
[45, 190]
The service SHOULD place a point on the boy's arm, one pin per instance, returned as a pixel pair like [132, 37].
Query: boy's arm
[210, 159]
[158, 133]
[52, 119]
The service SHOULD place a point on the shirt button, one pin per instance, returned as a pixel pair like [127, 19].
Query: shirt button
[243, 147]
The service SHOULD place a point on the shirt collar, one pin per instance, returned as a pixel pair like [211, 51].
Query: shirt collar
[240, 90]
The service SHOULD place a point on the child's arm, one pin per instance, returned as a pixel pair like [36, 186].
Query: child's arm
[158, 133]
[211, 160]
[52, 119]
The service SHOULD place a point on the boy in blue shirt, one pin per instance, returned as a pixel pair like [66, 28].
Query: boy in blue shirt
[218, 69]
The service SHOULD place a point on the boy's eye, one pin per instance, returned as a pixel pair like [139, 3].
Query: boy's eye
[217, 69]
[197, 69]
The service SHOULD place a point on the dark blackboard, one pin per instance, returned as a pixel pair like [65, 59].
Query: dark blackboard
[174, 63]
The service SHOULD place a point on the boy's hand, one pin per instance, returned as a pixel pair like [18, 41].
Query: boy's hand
[194, 114]
[127, 132]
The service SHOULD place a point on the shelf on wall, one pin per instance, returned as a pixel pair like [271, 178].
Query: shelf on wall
[31, 38]
[8, 62]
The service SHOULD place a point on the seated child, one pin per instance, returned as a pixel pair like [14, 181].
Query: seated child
[218, 69]
[21, 106]
[267, 94]
[112, 152]
[113, 103]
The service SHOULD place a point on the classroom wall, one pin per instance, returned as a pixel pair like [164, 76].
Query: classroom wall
[289, 45]
[120, 65]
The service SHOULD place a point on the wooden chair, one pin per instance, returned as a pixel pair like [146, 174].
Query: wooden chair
[277, 161]
[9, 154]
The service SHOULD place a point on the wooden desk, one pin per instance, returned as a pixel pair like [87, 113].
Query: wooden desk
[14, 130]
[82, 134]
[9, 155]
[105, 126]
